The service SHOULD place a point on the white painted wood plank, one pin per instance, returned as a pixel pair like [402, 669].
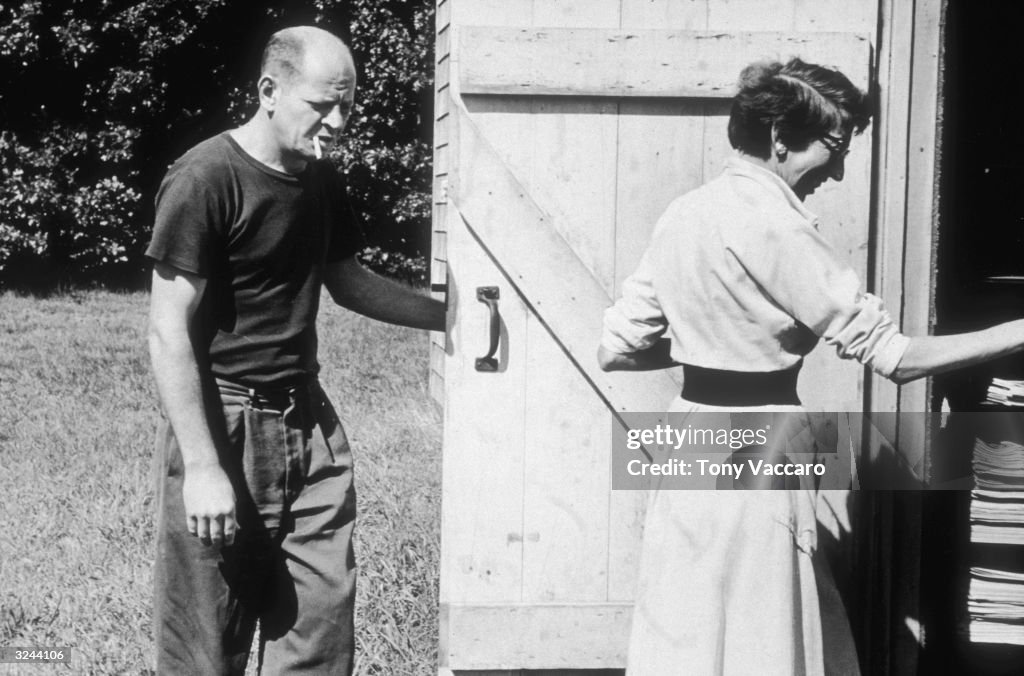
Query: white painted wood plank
[441, 136]
[751, 15]
[567, 465]
[681, 14]
[573, 177]
[442, 155]
[482, 489]
[554, 542]
[892, 129]
[596, 13]
[442, 74]
[492, 12]
[442, 102]
[590, 636]
[442, 14]
[860, 16]
[660, 158]
[922, 205]
[620, 63]
[482, 499]
[442, 46]
[564, 155]
[438, 240]
[573, 169]
[439, 253]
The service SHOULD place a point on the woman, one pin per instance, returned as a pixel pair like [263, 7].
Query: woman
[741, 281]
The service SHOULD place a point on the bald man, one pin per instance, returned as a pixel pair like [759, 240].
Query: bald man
[255, 501]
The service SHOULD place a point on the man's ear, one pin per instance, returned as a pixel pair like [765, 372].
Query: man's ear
[268, 89]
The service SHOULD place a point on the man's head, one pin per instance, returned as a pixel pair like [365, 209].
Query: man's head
[306, 88]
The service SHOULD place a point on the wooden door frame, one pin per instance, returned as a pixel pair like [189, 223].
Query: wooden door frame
[908, 137]
[908, 132]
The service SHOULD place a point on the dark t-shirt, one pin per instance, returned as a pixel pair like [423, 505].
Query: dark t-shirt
[261, 239]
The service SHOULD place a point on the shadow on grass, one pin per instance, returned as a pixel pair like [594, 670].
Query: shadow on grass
[42, 278]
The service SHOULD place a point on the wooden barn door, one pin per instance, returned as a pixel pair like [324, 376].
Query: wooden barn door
[565, 128]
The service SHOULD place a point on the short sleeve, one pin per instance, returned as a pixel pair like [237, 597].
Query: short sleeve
[345, 237]
[800, 271]
[636, 321]
[187, 213]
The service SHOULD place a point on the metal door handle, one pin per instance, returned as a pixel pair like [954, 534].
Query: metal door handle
[488, 295]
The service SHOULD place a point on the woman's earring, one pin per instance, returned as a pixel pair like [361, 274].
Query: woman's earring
[780, 151]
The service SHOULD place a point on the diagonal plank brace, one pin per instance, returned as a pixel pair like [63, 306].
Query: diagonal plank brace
[545, 272]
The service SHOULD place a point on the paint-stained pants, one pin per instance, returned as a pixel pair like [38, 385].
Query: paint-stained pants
[292, 565]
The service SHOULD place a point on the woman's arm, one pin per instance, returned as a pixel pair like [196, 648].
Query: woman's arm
[652, 359]
[929, 355]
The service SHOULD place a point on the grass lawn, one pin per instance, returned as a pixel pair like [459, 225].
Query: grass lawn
[77, 415]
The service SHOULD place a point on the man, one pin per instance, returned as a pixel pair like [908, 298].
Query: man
[256, 502]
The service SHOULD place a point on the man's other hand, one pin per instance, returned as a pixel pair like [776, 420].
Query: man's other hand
[209, 504]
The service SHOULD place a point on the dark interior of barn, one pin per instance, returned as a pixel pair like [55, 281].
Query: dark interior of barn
[979, 282]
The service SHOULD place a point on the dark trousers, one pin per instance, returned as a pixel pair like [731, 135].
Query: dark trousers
[292, 565]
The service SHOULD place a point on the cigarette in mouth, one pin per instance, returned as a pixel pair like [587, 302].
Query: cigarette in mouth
[317, 150]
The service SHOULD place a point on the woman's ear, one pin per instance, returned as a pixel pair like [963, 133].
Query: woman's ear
[779, 147]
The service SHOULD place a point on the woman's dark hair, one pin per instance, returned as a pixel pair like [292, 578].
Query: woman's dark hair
[803, 100]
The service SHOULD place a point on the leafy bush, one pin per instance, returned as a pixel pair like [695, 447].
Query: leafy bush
[98, 97]
[409, 269]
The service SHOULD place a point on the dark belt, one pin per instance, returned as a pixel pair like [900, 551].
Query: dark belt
[715, 387]
[276, 397]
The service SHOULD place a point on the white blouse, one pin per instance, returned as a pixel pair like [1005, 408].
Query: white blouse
[739, 277]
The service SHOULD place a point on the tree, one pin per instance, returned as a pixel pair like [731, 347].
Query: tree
[97, 98]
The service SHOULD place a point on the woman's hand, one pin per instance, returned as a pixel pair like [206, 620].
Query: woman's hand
[653, 358]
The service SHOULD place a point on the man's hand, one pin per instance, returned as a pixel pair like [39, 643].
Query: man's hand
[207, 493]
[209, 504]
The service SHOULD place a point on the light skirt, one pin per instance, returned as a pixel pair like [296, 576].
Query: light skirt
[727, 584]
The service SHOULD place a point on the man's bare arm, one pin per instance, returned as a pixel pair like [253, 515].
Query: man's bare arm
[354, 287]
[207, 492]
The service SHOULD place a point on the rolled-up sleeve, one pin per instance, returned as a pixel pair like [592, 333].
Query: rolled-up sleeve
[801, 272]
[866, 332]
[636, 321]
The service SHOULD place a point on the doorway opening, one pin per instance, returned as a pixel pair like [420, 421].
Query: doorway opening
[979, 282]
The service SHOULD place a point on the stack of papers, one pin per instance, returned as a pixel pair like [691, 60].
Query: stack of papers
[998, 466]
[996, 606]
[995, 600]
[1006, 393]
[997, 517]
